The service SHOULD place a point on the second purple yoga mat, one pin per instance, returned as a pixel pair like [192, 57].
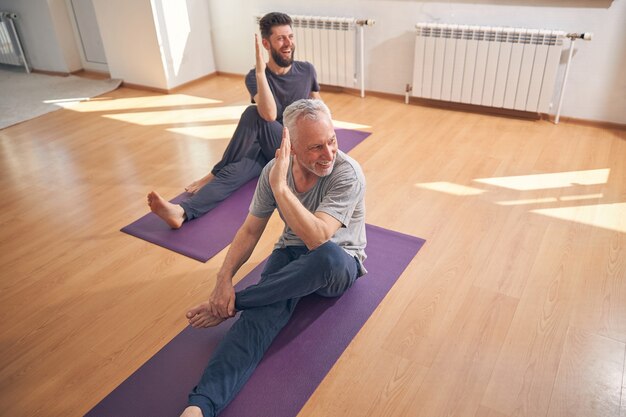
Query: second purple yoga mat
[295, 364]
[204, 237]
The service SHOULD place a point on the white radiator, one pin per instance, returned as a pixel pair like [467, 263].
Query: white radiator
[330, 44]
[508, 68]
[11, 52]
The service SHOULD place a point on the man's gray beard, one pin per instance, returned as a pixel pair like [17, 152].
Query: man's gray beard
[330, 171]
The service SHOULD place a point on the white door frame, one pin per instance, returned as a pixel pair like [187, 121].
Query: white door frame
[88, 65]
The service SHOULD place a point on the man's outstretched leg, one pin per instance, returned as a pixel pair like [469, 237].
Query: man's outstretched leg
[237, 356]
[253, 144]
[227, 181]
[195, 186]
[246, 342]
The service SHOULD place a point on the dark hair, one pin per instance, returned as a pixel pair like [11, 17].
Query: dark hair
[270, 20]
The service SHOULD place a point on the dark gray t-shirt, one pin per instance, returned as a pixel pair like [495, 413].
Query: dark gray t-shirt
[340, 195]
[297, 84]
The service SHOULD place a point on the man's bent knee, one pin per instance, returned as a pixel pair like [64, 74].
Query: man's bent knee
[339, 267]
[328, 248]
[251, 115]
[330, 256]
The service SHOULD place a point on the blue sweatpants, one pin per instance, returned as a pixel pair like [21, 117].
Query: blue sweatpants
[252, 146]
[290, 274]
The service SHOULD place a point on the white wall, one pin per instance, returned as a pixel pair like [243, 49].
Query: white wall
[153, 43]
[46, 43]
[184, 34]
[130, 41]
[64, 34]
[156, 43]
[596, 85]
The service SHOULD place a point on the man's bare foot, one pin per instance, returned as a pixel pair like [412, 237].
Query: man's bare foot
[197, 184]
[172, 214]
[200, 316]
[192, 411]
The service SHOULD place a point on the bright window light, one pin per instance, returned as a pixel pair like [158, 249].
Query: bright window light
[174, 35]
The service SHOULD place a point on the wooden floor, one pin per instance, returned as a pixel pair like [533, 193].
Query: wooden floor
[516, 305]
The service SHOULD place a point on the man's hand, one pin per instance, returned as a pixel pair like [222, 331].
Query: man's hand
[278, 173]
[260, 63]
[222, 301]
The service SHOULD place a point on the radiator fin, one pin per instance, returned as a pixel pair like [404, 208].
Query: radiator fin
[329, 43]
[511, 68]
[11, 52]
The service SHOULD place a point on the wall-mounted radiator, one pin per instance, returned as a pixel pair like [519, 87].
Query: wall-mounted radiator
[330, 44]
[11, 52]
[489, 66]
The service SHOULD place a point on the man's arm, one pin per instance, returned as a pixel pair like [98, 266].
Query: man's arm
[315, 95]
[222, 301]
[313, 228]
[264, 99]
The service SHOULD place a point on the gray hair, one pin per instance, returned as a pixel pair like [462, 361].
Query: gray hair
[310, 109]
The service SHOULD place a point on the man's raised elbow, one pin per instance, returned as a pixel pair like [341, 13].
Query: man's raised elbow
[268, 116]
[314, 245]
[316, 242]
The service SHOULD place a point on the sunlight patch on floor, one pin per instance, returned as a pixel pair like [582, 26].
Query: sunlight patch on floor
[180, 116]
[549, 199]
[66, 102]
[146, 102]
[606, 216]
[527, 201]
[450, 188]
[547, 181]
[347, 125]
[212, 132]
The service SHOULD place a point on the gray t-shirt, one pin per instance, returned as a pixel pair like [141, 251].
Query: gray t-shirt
[297, 84]
[340, 195]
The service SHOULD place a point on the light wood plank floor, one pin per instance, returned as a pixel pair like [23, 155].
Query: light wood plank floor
[516, 305]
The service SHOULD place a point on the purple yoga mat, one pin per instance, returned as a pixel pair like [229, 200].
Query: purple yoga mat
[294, 365]
[206, 236]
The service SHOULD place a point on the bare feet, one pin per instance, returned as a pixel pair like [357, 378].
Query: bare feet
[192, 411]
[172, 214]
[200, 316]
[197, 184]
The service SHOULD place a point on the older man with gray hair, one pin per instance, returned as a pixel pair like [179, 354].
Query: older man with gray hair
[319, 193]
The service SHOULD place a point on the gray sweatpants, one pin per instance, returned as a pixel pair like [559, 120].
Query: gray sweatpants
[252, 146]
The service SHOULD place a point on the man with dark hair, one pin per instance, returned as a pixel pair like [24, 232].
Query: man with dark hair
[272, 86]
[319, 192]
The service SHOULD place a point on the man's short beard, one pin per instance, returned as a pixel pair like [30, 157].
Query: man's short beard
[283, 63]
